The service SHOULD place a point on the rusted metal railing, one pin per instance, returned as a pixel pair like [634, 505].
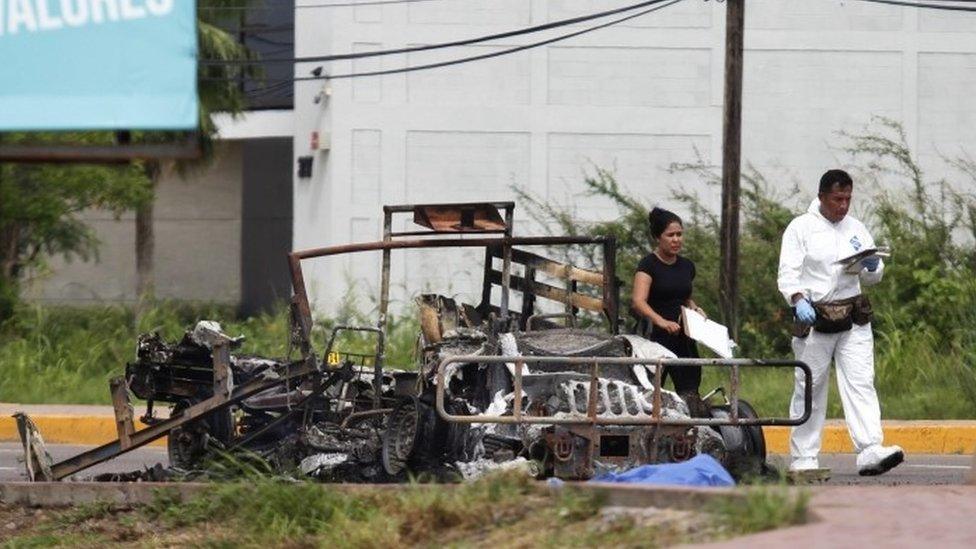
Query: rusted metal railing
[591, 417]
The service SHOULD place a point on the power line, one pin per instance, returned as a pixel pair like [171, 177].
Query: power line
[657, 4]
[663, 4]
[441, 45]
[928, 5]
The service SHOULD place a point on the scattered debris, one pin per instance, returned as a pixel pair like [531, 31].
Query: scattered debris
[478, 468]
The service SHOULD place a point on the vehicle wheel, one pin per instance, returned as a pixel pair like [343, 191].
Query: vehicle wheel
[187, 444]
[400, 437]
[745, 446]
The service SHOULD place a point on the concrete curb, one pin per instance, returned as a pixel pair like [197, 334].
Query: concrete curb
[918, 437]
[88, 430]
[641, 496]
[58, 494]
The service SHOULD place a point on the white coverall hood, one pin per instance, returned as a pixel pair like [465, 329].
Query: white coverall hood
[809, 253]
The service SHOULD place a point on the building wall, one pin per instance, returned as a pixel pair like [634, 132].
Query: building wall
[198, 243]
[633, 98]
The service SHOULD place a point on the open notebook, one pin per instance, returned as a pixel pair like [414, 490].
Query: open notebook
[709, 333]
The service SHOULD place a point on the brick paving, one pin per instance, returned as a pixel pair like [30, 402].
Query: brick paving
[878, 517]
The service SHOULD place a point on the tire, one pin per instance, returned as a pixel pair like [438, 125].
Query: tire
[403, 427]
[745, 446]
[188, 444]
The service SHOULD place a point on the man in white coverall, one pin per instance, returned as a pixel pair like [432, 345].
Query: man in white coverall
[817, 287]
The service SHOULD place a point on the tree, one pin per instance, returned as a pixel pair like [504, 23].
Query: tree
[40, 207]
[218, 90]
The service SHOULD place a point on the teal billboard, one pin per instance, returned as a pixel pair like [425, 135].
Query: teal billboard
[98, 64]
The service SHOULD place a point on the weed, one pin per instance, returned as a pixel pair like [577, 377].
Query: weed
[87, 511]
[60, 539]
[762, 508]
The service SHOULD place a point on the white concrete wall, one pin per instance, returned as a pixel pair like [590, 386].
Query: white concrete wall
[635, 98]
[198, 244]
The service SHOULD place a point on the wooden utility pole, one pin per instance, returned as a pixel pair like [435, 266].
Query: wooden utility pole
[731, 161]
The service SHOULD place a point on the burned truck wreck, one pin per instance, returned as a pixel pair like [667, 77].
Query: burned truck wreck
[492, 382]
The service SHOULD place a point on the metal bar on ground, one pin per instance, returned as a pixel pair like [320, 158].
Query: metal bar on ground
[201, 409]
[122, 406]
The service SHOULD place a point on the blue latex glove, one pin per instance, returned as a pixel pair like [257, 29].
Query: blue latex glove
[805, 312]
[872, 263]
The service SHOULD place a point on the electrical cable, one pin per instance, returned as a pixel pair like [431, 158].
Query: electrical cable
[656, 5]
[455, 43]
[927, 5]
[661, 5]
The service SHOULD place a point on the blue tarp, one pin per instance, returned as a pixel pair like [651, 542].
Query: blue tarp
[701, 470]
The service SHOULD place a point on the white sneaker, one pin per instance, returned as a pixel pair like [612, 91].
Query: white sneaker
[804, 464]
[878, 459]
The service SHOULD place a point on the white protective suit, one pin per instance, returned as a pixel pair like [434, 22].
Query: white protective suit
[807, 265]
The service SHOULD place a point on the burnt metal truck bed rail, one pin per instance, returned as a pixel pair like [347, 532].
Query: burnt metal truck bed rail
[595, 363]
[608, 301]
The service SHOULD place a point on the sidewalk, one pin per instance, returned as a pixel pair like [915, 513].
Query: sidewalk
[877, 516]
[81, 424]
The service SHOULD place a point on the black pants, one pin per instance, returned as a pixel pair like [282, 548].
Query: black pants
[686, 379]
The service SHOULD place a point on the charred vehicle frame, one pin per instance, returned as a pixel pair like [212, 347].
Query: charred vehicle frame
[591, 400]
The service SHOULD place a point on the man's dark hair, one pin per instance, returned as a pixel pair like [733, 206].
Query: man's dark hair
[835, 177]
[659, 218]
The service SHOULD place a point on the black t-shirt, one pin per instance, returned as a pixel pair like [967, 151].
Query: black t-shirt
[670, 284]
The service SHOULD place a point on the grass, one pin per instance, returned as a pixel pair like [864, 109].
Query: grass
[67, 355]
[917, 376]
[763, 508]
[506, 509]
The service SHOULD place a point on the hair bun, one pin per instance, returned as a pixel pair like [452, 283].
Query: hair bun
[659, 219]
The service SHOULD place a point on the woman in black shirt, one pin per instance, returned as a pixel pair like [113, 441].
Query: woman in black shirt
[662, 285]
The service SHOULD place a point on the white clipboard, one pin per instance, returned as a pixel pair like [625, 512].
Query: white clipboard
[855, 262]
[709, 333]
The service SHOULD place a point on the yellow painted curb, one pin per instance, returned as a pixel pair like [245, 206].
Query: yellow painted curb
[918, 437]
[70, 429]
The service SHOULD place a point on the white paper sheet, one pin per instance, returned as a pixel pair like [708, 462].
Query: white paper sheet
[709, 333]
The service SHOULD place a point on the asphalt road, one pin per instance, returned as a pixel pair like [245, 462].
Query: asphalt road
[917, 469]
[12, 467]
[922, 470]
